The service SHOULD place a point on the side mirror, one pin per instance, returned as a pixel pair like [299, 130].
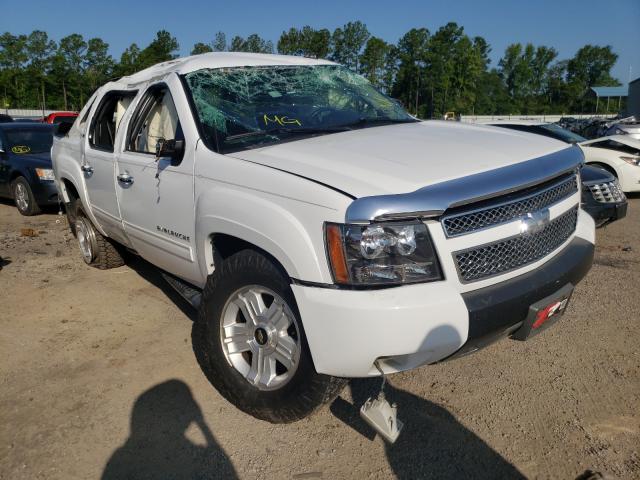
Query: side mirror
[173, 149]
[62, 129]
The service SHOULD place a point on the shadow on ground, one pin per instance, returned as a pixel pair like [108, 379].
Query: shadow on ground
[157, 446]
[4, 262]
[432, 444]
[152, 275]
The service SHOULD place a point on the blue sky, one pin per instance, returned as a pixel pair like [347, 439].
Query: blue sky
[563, 24]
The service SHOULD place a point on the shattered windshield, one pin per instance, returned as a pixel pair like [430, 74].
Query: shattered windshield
[248, 107]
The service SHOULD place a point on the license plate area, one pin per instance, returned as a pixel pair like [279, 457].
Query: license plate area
[544, 313]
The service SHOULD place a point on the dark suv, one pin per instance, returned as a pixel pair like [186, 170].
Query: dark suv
[26, 174]
[602, 196]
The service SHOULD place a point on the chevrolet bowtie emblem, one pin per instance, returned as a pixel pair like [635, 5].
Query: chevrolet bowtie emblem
[534, 222]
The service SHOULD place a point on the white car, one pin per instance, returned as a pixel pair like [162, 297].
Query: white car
[321, 231]
[628, 126]
[618, 154]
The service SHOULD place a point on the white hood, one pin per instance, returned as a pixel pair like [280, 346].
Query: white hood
[402, 158]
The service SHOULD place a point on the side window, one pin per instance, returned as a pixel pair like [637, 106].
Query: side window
[106, 120]
[613, 145]
[156, 119]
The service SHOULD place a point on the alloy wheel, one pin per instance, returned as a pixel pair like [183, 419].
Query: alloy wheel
[22, 197]
[260, 337]
[86, 239]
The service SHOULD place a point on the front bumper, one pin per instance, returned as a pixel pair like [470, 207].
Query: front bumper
[500, 309]
[629, 177]
[604, 213]
[45, 192]
[413, 325]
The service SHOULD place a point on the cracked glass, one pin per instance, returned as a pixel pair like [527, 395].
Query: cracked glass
[248, 107]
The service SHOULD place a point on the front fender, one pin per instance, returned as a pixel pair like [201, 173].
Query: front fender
[261, 223]
[290, 230]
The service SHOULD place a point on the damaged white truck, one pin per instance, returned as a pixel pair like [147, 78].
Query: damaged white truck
[322, 232]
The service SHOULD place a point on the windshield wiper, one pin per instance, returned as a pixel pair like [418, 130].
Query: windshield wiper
[294, 131]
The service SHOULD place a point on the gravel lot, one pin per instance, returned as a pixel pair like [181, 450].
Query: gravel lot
[98, 379]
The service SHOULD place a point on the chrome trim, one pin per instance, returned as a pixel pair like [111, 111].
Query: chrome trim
[606, 192]
[571, 214]
[499, 204]
[433, 200]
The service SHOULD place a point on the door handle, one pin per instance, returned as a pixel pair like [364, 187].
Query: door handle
[125, 178]
[88, 169]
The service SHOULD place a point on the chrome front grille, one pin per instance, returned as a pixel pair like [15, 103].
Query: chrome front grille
[517, 205]
[608, 192]
[505, 255]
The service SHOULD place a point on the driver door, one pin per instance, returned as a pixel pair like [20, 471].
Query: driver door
[156, 194]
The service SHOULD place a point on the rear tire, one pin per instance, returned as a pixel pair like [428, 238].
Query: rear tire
[229, 346]
[96, 249]
[23, 197]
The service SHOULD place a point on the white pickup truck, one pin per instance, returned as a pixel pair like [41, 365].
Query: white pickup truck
[321, 231]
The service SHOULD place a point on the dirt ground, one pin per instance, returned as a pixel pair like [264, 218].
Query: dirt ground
[97, 379]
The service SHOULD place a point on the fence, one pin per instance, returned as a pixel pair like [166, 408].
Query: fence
[539, 118]
[26, 113]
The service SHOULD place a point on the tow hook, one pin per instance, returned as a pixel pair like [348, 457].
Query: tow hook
[380, 415]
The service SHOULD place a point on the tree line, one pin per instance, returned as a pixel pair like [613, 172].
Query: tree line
[429, 72]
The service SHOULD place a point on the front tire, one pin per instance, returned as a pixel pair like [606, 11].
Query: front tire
[97, 250]
[251, 345]
[23, 197]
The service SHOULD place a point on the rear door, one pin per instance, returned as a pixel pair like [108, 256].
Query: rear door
[99, 161]
[156, 194]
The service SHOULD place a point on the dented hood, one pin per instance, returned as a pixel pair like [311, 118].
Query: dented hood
[403, 157]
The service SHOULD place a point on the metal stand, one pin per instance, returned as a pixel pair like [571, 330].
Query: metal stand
[59, 209]
[380, 415]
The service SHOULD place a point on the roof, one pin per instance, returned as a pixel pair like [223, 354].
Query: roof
[621, 91]
[217, 60]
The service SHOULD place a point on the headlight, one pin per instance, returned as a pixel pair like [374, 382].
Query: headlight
[44, 174]
[619, 131]
[381, 254]
[631, 160]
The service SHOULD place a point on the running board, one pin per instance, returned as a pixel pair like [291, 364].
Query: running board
[187, 291]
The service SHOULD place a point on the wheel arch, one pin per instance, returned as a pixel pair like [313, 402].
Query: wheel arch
[228, 221]
[69, 190]
[224, 245]
[21, 172]
[15, 174]
[605, 166]
[226, 238]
